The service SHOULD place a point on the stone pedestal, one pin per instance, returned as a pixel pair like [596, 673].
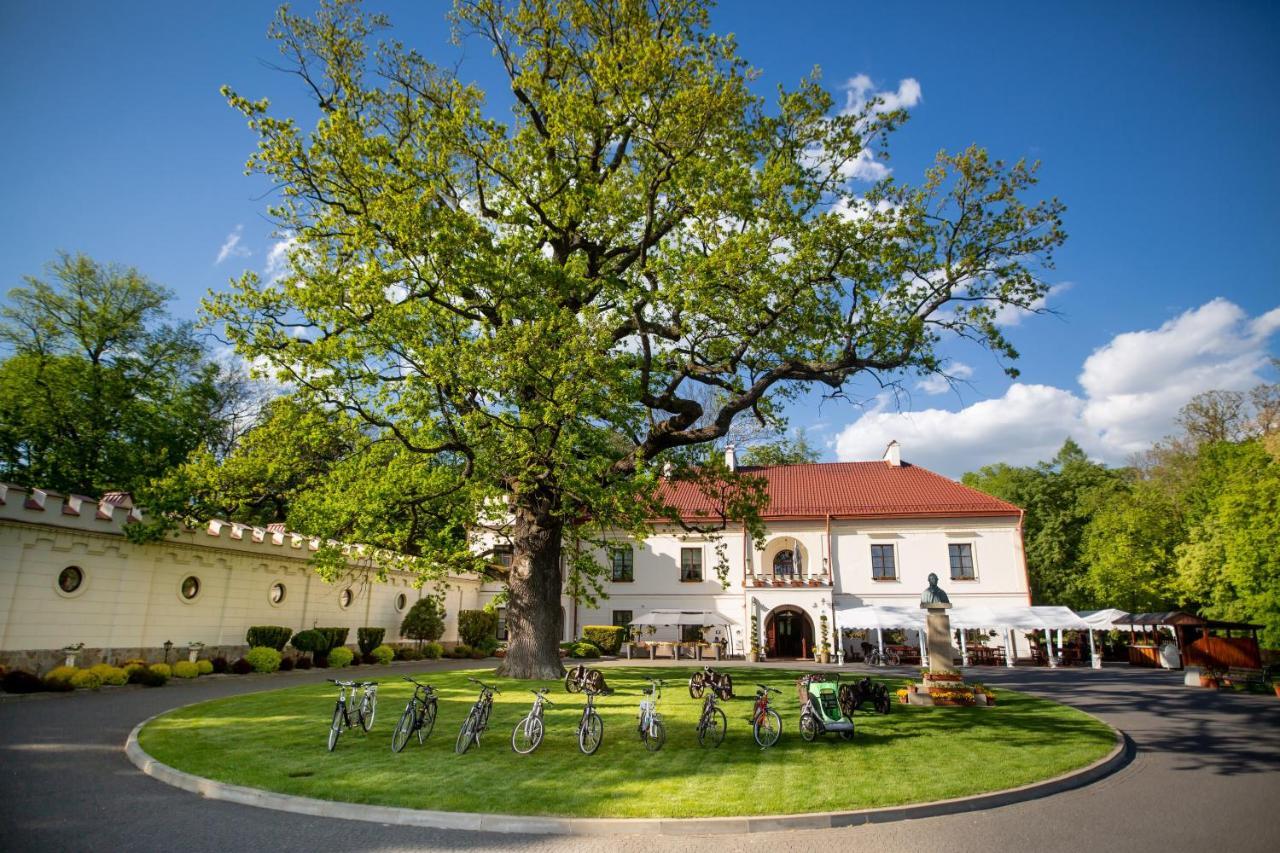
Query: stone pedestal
[938, 635]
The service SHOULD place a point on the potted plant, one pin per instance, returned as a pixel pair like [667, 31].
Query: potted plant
[754, 654]
[824, 653]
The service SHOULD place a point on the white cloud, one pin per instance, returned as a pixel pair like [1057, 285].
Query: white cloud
[938, 384]
[231, 247]
[277, 265]
[860, 90]
[1132, 389]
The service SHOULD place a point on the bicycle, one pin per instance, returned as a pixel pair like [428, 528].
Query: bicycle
[766, 725]
[875, 657]
[720, 682]
[477, 719]
[712, 723]
[581, 679]
[527, 734]
[342, 710]
[652, 733]
[590, 727]
[419, 715]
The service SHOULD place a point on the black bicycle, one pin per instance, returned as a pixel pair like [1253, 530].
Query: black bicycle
[477, 720]
[853, 695]
[590, 726]
[419, 716]
[345, 716]
[719, 682]
[712, 723]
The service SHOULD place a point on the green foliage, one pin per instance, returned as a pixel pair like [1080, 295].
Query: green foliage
[755, 634]
[432, 651]
[110, 675]
[204, 667]
[383, 654]
[261, 658]
[99, 392]
[408, 653]
[424, 621]
[21, 681]
[584, 650]
[86, 679]
[186, 669]
[783, 451]
[334, 636]
[369, 638]
[148, 676]
[476, 626]
[161, 669]
[608, 638]
[271, 636]
[312, 641]
[461, 650]
[340, 657]
[526, 313]
[59, 678]
[1128, 547]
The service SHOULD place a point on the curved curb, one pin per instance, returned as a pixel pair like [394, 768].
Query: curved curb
[1120, 755]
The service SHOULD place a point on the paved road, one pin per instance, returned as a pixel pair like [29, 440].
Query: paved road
[1205, 776]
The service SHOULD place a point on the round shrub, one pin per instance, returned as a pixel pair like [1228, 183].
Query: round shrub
[220, 664]
[204, 667]
[21, 681]
[479, 654]
[608, 637]
[310, 641]
[133, 666]
[424, 621]
[340, 657]
[59, 678]
[86, 679]
[369, 639]
[384, 654]
[271, 636]
[286, 664]
[431, 651]
[475, 626]
[241, 667]
[584, 650]
[161, 669]
[147, 677]
[185, 669]
[408, 653]
[303, 663]
[263, 659]
[112, 675]
[462, 650]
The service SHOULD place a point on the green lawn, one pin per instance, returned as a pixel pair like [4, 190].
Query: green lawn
[276, 740]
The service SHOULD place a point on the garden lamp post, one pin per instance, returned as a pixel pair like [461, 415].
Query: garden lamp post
[168, 647]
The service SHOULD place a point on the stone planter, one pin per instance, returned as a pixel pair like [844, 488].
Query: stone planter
[752, 657]
[824, 657]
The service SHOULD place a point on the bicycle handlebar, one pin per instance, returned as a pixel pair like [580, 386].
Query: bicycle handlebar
[482, 684]
[419, 683]
[541, 693]
[767, 687]
[352, 683]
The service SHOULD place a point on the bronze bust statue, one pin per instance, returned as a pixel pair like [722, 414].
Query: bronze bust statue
[934, 594]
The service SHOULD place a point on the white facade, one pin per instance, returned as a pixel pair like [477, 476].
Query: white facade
[130, 598]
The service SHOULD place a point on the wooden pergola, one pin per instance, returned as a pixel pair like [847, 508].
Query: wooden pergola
[1201, 642]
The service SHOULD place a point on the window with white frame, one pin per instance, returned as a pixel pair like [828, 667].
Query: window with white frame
[884, 566]
[690, 564]
[961, 554]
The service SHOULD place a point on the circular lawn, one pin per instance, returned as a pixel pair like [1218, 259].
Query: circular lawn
[276, 741]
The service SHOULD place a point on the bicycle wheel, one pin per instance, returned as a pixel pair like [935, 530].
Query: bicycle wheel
[808, 727]
[767, 729]
[368, 707]
[894, 660]
[711, 732]
[654, 735]
[571, 684]
[335, 727]
[467, 734]
[882, 703]
[427, 721]
[404, 728]
[527, 734]
[847, 735]
[591, 733]
[725, 689]
[696, 686]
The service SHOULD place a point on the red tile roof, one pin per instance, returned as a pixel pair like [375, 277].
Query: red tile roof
[851, 489]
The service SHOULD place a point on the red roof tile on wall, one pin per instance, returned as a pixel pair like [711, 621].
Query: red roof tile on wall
[844, 489]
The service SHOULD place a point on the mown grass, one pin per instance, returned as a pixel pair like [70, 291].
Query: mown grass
[276, 740]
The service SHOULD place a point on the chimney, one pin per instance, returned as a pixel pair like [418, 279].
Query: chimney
[731, 457]
[893, 454]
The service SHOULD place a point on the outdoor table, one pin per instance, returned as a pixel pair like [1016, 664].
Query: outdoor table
[982, 656]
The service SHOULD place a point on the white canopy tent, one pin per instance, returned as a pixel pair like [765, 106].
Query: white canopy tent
[1107, 620]
[880, 617]
[699, 618]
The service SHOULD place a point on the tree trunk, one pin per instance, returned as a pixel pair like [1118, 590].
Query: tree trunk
[535, 622]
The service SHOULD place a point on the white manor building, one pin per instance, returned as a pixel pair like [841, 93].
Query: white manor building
[838, 534]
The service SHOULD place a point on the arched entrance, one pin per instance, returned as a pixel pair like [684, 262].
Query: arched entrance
[788, 633]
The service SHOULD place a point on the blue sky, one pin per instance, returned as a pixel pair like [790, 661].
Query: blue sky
[1156, 124]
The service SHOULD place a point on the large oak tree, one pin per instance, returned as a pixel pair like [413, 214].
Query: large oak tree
[534, 307]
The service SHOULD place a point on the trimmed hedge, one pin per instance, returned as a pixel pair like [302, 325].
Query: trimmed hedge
[204, 667]
[340, 657]
[220, 665]
[147, 677]
[161, 669]
[336, 636]
[584, 650]
[185, 669]
[384, 654]
[241, 667]
[59, 678]
[432, 651]
[476, 626]
[310, 641]
[369, 639]
[286, 664]
[21, 681]
[271, 636]
[408, 653]
[607, 637]
[263, 659]
[86, 679]
[113, 675]
[462, 650]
